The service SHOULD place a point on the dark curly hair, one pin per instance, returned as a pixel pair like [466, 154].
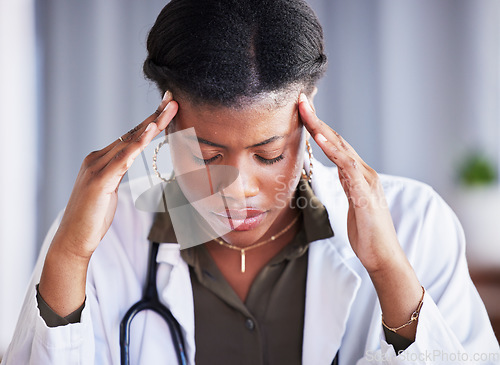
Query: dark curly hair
[229, 51]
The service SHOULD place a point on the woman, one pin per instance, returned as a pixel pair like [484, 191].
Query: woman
[278, 281]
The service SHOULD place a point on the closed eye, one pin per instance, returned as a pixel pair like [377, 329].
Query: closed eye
[205, 161]
[270, 161]
[266, 161]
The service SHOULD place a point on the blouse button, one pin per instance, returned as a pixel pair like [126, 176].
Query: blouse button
[249, 324]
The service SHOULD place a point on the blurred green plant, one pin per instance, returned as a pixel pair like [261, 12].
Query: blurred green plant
[477, 170]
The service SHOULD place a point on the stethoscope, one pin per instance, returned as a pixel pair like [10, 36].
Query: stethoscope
[150, 301]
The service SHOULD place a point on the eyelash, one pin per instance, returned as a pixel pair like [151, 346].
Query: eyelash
[270, 161]
[202, 161]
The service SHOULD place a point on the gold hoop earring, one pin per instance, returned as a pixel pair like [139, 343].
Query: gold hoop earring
[305, 175]
[155, 159]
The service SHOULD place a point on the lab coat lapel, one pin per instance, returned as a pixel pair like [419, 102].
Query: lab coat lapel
[332, 284]
[331, 288]
[177, 293]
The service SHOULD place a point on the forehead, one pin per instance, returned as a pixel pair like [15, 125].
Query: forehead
[253, 122]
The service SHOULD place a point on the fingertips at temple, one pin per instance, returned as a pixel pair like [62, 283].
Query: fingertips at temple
[167, 114]
[303, 99]
[167, 97]
[305, 110]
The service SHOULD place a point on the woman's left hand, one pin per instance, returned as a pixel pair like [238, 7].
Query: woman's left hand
[369, 224]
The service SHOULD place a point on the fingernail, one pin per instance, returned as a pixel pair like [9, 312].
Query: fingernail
[150, 125]
[303, 98]
[320, 138]
[167, 95]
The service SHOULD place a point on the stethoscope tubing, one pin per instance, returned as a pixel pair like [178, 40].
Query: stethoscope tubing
[151, 302]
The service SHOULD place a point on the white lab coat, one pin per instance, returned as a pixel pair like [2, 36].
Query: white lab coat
[342, 310]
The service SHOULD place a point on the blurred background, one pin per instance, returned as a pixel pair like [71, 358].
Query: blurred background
[413, 85]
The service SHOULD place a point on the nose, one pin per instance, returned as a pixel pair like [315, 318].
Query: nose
[244, 187]
[250, 184]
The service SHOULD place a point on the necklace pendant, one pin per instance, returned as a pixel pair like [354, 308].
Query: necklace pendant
[242, 261]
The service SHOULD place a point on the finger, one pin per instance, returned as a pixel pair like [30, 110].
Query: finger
[351, 166]
[123, 159]
[110, 176]
[130, 153]
[163, 119]
[355, 182]
[356, 177]
[95, 156]
[137, 130]
[131, 143]
[315, 125]
[166, 116]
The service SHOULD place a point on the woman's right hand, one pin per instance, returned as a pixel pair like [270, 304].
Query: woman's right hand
[92, 203]
[91, 209]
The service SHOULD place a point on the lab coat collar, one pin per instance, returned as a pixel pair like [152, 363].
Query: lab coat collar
[332, 284]
[177, 294]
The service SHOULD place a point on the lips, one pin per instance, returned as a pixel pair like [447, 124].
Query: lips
[240, 213]
[242, 219]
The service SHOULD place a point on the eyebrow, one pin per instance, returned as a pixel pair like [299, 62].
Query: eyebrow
[209, 143]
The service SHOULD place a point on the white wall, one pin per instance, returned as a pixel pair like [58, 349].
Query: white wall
[18, 162]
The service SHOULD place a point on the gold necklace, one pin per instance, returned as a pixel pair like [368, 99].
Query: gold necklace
[255, 245]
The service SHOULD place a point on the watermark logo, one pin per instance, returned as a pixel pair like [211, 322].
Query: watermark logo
[436, 357]
[196, 199]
